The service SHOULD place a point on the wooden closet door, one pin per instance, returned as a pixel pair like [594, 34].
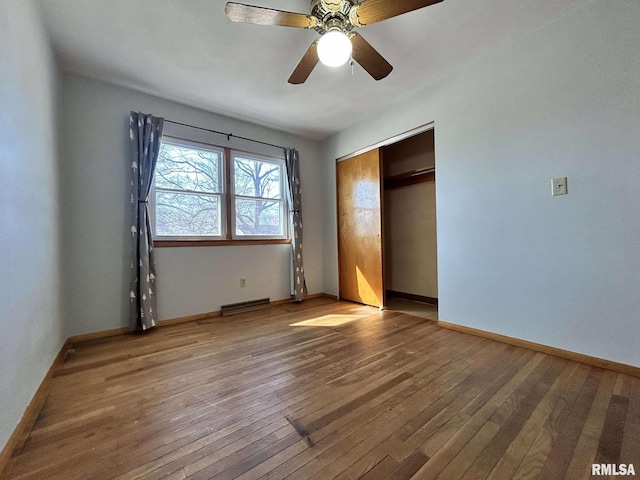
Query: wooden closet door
[360, 229]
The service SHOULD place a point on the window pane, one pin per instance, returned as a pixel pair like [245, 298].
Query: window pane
[182, 168]
[179, 214]
[258, 217]
[254, 178]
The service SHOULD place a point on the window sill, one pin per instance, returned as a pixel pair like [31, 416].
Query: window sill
[218, 243]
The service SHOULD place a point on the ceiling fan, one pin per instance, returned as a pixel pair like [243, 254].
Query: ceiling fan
[335, 21]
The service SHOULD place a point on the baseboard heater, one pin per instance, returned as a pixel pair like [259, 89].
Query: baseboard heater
[233, 308]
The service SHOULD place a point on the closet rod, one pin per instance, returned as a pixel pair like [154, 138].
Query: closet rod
[228, 135]
[422, 171]
[409, 178]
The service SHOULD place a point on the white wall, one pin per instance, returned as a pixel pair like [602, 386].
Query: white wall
[31, 326]
[191, 280]
[512, 259]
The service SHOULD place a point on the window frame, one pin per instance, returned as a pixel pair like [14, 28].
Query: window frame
[227, 198]
[284, 220]
[180, 142]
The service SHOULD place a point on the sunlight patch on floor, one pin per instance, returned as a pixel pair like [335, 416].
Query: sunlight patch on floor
[328, 321]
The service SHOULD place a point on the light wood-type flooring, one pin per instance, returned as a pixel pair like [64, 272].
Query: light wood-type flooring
[410, 307]
[348, 392]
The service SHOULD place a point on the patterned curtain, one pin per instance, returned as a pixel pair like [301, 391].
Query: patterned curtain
[298, 284]
[145, 133]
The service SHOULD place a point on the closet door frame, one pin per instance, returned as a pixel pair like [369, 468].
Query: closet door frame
[381, 300]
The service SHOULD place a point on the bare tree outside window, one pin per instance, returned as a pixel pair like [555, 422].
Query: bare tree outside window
[188, 188]
[194, 201]
[259, 202]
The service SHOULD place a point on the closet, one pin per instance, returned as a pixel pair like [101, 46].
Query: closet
[410, 244]
[386, 223]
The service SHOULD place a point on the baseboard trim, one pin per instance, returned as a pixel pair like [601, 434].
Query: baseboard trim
[327, 295]
[190, 318]
[556, 352]
[121, 331]
[21, 433]
[275, 303]
[97, 335]
[413, 297]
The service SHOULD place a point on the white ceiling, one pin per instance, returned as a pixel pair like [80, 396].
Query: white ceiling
[188, 51]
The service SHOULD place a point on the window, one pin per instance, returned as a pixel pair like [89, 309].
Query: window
[258, 197]
[204, 192]
[189, 191]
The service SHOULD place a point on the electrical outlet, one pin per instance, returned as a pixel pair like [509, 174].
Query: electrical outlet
[243, 282]
[559, 186]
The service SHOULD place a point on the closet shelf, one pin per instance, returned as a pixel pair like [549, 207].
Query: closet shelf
[427, 174]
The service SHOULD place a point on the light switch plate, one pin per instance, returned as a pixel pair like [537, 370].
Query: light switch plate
[559, 186]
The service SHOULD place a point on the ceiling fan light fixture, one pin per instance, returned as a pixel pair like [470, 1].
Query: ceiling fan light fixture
[334, 48]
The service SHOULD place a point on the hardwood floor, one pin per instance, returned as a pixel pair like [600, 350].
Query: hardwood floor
[377, 395]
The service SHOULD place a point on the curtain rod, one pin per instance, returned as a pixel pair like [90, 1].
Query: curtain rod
[228, 135]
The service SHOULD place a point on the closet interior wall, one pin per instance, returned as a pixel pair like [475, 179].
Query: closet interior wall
[410, 255]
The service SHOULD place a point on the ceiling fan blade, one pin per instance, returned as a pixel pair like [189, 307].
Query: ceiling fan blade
[369, 58]
[306, 65]
[372, 11]
[238, 12]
